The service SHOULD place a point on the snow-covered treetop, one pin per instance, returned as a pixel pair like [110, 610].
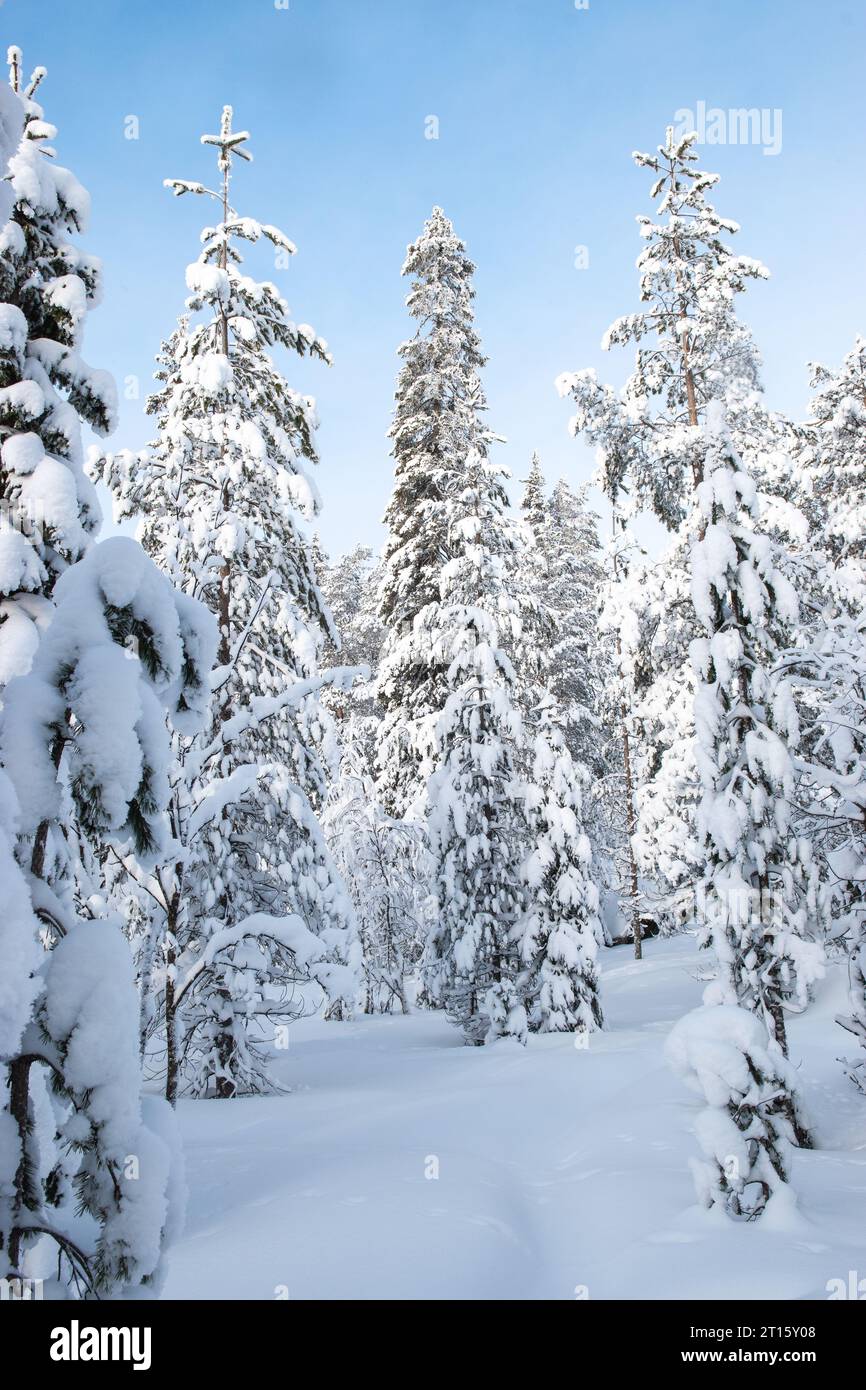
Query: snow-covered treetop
[689, 276]
[436, 422]
[691, 348]
[214, 280]
[47, 286]
[234, 437]
[442, 291]
[63, 282]
[533, 503]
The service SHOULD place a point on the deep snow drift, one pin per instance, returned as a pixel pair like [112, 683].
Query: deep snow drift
[562, 1172]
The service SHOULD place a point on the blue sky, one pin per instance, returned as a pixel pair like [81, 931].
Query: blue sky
[539, 106]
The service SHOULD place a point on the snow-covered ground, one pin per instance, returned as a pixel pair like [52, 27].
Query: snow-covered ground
[562, 1173]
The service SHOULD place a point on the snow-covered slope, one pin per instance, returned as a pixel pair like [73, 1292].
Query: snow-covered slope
[562, 1172]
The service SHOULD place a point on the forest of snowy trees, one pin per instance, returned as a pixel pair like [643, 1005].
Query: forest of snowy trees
[245, 782]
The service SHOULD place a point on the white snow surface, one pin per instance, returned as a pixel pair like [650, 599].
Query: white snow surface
[561, 1169]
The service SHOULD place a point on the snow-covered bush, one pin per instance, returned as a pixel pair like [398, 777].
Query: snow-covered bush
[722, 1053]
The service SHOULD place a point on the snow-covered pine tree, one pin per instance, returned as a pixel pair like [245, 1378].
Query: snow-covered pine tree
[691, 349]
[757, 894]
[222, 495]
[559, 945]
[436, 420]
[475, 812]
[47, 285]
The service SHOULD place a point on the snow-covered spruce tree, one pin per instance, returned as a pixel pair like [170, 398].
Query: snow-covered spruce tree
[85, 745]
[562, 651]
[83, 742]
[47, 285]
[745, 1132]
[691, 349]
[561, 570]
[385, 864]
[560, 937]
[533, 584]
[534, 504]
[222, 495]
[580, 659]
[475, 806]
[582, 678]
[757, 894]
[438, 401]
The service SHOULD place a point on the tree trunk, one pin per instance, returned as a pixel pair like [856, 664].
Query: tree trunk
[630, 830]
[25, 1196]
[630, 819]
[226, 1086]
[171, 1058]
